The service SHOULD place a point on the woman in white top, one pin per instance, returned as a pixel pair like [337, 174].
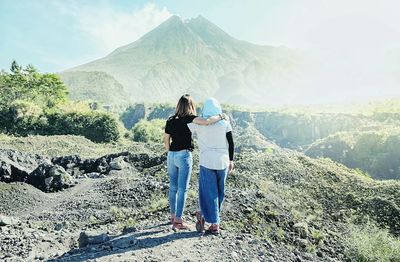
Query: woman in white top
[216, 161]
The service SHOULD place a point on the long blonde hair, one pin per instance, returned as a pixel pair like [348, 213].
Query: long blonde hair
[185, 106]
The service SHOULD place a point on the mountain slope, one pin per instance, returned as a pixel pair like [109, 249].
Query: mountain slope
[196, 57]
[280, 206]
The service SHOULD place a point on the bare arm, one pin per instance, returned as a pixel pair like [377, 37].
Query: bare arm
[167, 141]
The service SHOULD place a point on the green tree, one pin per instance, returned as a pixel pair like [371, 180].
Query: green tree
[149, 131]
[45, 90]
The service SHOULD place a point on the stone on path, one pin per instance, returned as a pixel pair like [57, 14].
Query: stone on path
[5, 220]
[91, 238]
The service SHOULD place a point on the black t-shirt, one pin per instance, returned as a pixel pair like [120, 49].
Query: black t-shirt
[180, 133]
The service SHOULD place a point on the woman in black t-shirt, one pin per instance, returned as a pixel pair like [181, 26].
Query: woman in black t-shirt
[179, 145]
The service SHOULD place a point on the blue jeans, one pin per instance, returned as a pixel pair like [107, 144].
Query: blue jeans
[211, 193]
[179, 170]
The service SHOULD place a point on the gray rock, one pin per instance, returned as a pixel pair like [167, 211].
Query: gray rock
[11, 171]
[301, 228]
[6, 221]
[91, 238]
[301, 242]
[50, 178]
[93, 175]
[117, 163]
[48, 181]
[58, 227]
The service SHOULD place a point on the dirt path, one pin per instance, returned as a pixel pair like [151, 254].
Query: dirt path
[160, 243]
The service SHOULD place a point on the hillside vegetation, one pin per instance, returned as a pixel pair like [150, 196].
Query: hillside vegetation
[376, 152]
[35, 103]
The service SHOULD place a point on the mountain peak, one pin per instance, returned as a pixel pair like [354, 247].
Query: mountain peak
[173, 21]
[208, 31]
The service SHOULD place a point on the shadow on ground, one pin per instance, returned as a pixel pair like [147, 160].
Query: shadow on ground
[147, 238]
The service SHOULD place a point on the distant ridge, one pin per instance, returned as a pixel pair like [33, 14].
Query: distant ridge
[193, 56]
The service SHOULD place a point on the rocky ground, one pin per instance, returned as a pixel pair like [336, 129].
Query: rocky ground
[51, 231]
[280, 206]
[48, 226]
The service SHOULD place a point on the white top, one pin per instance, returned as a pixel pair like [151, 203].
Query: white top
[214, 152]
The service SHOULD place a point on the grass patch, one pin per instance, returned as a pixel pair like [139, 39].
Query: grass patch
[118, 214]
[234, 226]
[280, 234]
[128, 223]
[158, 202]
[370, 243]
[317, 235]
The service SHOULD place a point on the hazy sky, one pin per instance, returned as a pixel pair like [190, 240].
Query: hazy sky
[55, 35]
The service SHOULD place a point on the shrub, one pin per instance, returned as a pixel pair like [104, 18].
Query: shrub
[149, 131]
[24, 119]
[96, 126]
[21, 117]
[370, 243]
[25, 109]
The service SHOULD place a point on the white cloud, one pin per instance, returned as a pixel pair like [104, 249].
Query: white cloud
[110, 28]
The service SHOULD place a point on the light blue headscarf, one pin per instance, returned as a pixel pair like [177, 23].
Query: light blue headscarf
[211, 108]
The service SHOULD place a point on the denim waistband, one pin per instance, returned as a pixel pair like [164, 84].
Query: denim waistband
[181, 151]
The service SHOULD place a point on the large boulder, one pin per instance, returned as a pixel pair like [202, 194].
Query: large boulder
[50, 178]
[118, 163]
[15, 166]
[12, 172]
[27, 160]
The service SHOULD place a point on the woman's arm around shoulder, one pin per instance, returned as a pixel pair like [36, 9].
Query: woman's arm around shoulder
[209, 121]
